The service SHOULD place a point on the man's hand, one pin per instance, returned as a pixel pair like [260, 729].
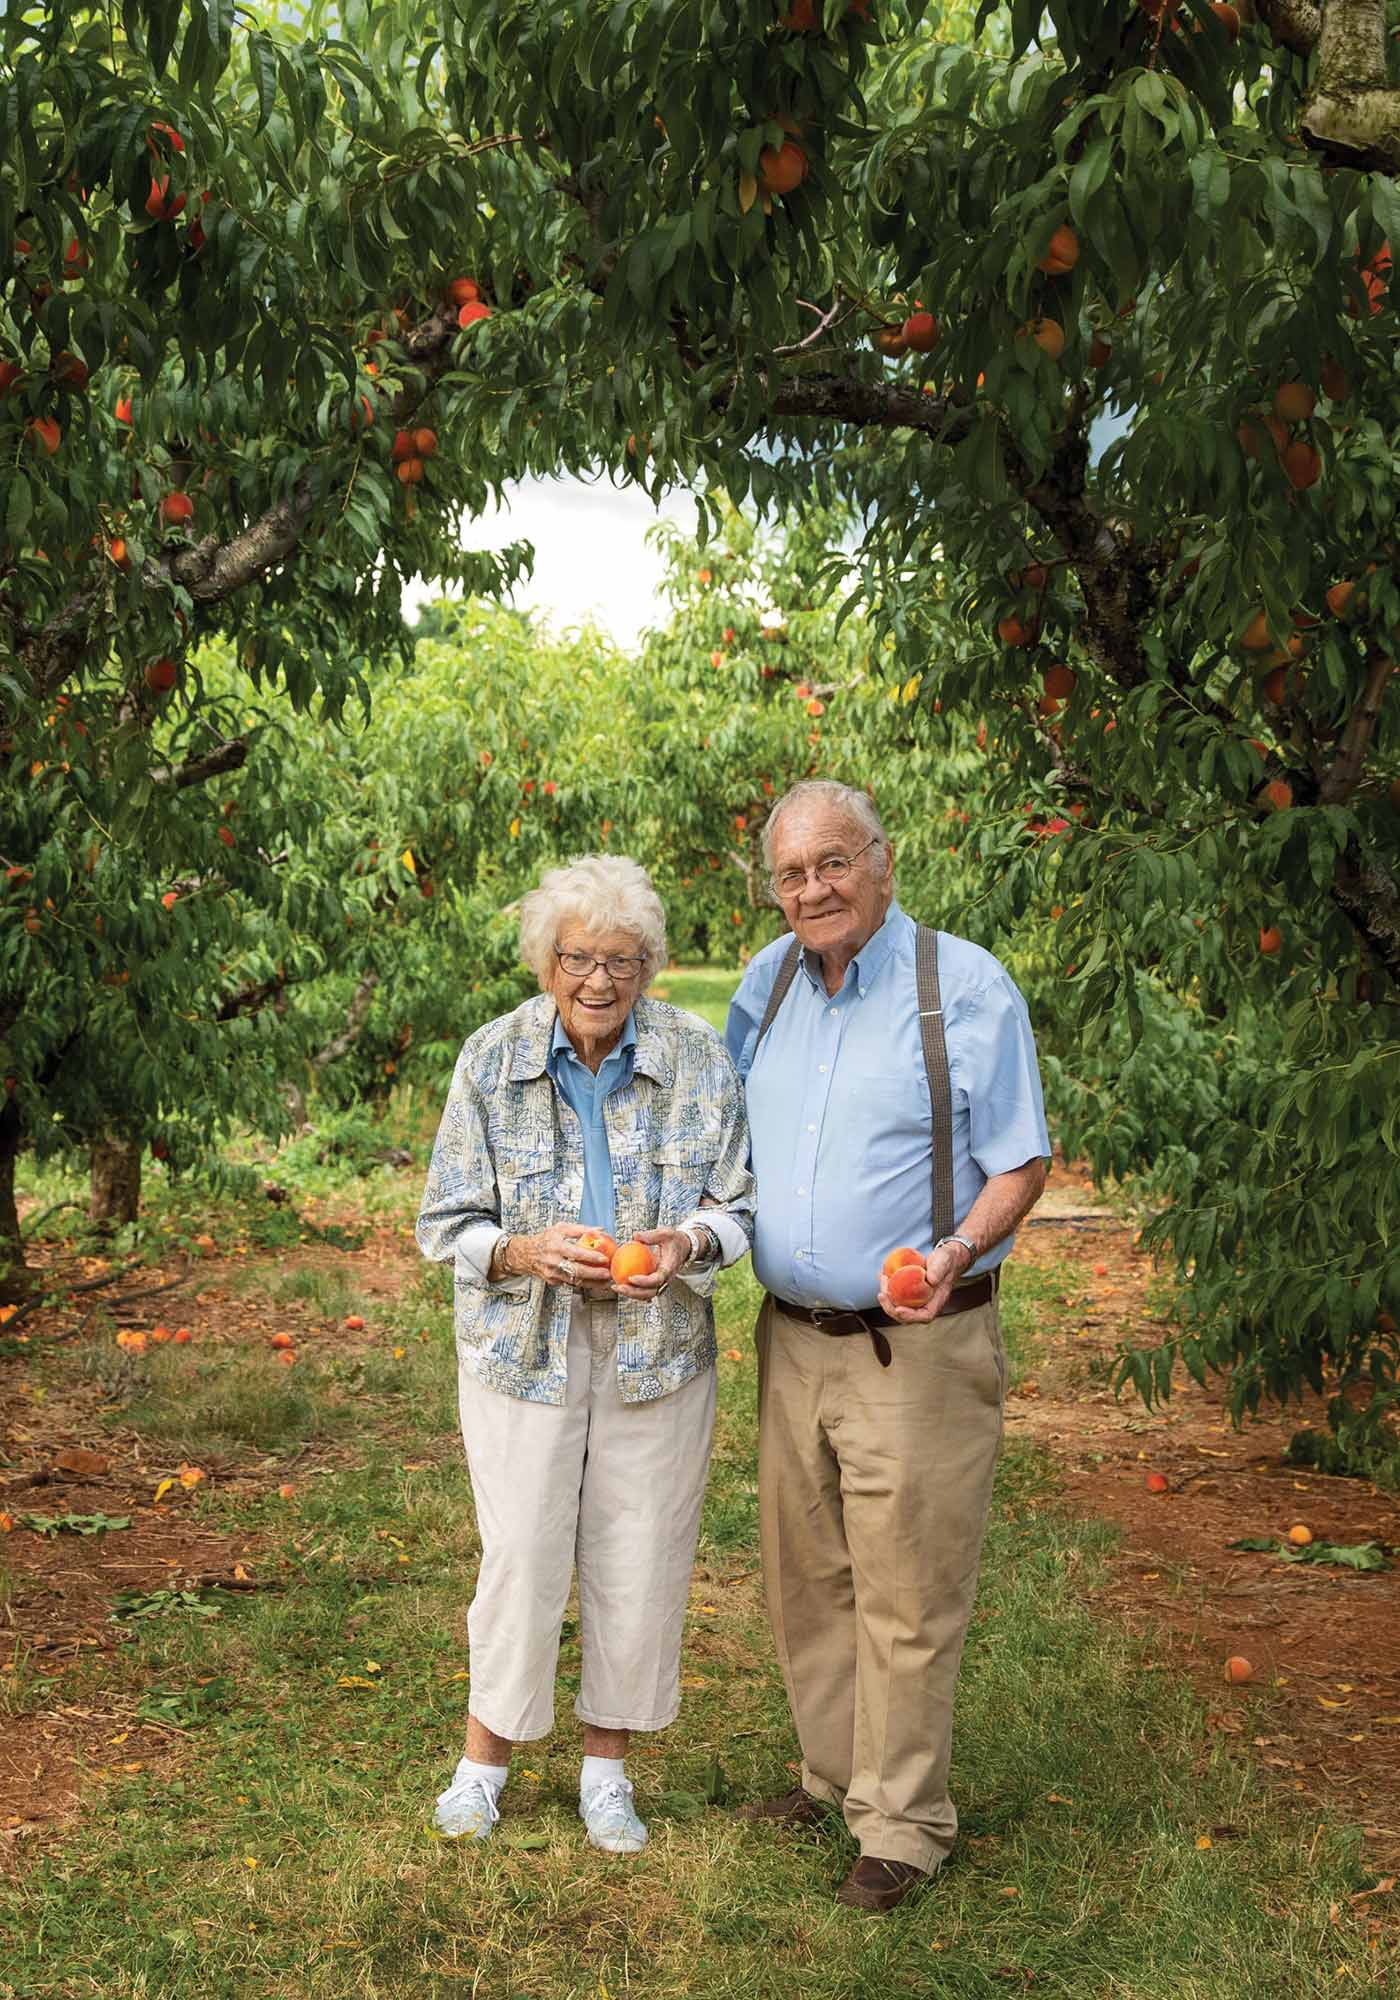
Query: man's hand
[942, 1269]
[671, 1249]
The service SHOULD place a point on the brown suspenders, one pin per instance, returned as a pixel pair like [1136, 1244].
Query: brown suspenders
[940, 1089]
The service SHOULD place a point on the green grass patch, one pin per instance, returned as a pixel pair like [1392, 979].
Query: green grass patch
[705, 990]
[1107, 1849]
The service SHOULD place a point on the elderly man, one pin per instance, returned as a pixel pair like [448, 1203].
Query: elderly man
[894, 1102]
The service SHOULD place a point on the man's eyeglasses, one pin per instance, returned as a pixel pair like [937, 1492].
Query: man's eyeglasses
[834, 868]
[578, 964]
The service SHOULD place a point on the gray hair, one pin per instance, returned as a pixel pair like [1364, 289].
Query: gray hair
[825, 792]
[607, 892]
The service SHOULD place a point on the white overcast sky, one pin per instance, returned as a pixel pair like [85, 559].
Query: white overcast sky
[592, 558]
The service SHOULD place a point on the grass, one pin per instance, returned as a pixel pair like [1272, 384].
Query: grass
[1107, 1849]
[705, 990]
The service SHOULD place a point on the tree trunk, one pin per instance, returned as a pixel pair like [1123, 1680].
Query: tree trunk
[16, 1280]
[115, 1182]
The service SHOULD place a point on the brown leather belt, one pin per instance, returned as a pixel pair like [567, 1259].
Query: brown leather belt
[839, 1321]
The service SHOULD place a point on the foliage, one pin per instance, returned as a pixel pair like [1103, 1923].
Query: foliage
[1139, 459]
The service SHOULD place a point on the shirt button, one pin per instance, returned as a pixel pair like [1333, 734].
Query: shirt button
[822, 1068]
[832, 1011]
[802, 1190]
[802, 1253]
[811, 1128]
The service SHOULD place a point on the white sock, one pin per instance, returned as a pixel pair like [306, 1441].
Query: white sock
[598, 1771]
[493, 1775]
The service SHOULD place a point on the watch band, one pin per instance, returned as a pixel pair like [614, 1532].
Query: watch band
[966, 1242]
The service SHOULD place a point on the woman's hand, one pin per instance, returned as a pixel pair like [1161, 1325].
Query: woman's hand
[672, 1249]
[558, 1255]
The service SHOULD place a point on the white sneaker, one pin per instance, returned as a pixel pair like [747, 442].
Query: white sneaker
[466, 1809]
[611, 1822]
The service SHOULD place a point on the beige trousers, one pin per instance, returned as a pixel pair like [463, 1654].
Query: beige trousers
[613, 1488]
[874, 1485]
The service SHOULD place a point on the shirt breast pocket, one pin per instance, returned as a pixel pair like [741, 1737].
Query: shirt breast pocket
[683, 1161]
[525, 1178]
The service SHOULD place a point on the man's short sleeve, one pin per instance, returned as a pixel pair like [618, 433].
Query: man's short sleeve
[996, 1066]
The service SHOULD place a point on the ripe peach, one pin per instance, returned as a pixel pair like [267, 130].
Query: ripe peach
[1339, 596]
[45, 431]
[1157, 1482]
[1256, 637]
[1059, 680]
[1332, 376]
[287, 1358]
[1294, 402]
[633, 1260]
[921, 332]
[1100, 351]
[897, 1260]
[123, 409]
[353, 1323]
[1238, 1670]
[1048, 335]
[1062, 252]
[1301, 465]
[1270, 940]
[599, 1240]
[183, 1336]
[890, 341]
[161, 675]
[1300, 1534]
[1279, 794]
[1014, 631]
[472, 312]
[176, 508]
[463, 292]
[783, 168]
[1228, 17]
[908, 1286]
[410, 471]
[287, 1491]
[281, 1341]
[425, 442]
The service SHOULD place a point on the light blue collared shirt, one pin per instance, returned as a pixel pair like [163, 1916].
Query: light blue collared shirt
[839, 1118]
[586, 1094]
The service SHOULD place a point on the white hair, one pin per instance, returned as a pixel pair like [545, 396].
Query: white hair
[604, 892]
[825, 792]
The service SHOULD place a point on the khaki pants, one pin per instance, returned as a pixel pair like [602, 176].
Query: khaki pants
[610, 1486]
[873, 1486]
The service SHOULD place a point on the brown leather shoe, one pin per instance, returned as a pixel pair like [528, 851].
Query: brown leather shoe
[793, 1809]
[879, 1886]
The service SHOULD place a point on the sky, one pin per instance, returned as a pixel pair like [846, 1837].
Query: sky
[592, 558]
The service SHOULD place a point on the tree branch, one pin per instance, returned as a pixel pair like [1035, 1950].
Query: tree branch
[1295, 23]
[1353, 115]
[1343, 775]
[226, 756]
[355, 1019]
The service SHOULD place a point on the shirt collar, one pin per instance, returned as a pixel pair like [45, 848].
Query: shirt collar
[645, 1027]
[872, 954]
[561, 1048]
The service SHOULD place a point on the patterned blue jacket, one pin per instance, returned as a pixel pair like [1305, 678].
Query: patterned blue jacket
[509, 1156]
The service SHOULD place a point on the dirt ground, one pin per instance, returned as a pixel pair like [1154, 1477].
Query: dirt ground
[1322, 1710]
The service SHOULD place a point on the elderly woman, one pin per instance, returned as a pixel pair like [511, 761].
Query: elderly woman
[587, 1404]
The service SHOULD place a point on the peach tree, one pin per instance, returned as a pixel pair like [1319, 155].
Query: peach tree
[859, 251]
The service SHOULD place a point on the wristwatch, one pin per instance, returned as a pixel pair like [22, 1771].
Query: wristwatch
[966, 1242]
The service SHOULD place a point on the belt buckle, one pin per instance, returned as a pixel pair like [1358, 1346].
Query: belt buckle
[819, 1313]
